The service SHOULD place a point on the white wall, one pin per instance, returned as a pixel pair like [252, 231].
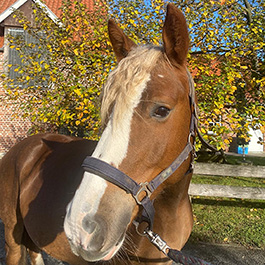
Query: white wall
[253, 145]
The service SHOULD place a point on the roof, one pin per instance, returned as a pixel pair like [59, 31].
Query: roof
[52, 7]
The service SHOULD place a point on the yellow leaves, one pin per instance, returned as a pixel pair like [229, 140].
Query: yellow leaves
[226, 141]
[217, 111]
[241, 84]
[97, 45]
[131, 21]
[65, 41]
[243, 67]
[78, 92]
[203, 131]
[211, 33]
[76, 52]
[233, 88]
[156, 42]
[237, 75]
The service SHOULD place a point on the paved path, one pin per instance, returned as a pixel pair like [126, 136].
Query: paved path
[226, 254]
[215, 254]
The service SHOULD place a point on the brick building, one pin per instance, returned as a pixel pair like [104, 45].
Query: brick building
[13, 129]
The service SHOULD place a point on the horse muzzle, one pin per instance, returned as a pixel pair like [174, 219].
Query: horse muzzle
[99, 236]
[95, 240]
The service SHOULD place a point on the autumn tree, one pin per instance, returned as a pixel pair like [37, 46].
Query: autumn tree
[63, 66]
[226, 60]
[227, 55]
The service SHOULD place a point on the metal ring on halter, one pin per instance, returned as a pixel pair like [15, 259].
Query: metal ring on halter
[143, 188]
[137, 228]
[192, 134]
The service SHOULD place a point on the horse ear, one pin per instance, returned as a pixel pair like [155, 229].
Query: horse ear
[175, 36]
[120, 42]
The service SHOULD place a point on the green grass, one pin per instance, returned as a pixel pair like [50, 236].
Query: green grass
[229, 221]
[224, 220]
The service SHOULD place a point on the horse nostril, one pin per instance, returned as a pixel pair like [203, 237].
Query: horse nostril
[97, 242]
[89, 225]
[95, 237]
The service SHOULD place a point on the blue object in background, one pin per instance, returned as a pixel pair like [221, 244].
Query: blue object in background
[240, 150]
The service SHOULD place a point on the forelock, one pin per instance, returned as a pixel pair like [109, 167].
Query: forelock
[122, 83]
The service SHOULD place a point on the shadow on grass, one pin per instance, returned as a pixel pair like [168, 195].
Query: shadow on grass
[229, 202]
[225, 254]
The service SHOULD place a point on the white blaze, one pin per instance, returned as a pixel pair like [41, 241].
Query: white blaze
[112, 148]
[39, 259]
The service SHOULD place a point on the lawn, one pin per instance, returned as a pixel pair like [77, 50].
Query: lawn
[223, 220]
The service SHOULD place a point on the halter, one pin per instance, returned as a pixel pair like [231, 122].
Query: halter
[142, 192]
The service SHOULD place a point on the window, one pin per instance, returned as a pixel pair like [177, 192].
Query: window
[14, 57]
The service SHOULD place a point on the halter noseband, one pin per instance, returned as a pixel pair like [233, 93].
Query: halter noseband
[143, 191]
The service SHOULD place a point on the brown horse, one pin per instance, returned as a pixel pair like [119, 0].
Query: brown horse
[49, 203]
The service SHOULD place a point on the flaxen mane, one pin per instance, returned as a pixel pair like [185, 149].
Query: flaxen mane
[123, 82]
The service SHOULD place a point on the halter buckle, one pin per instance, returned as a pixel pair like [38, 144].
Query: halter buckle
[143, 188]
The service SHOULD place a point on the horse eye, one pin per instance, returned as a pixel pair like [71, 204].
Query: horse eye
[161, 112]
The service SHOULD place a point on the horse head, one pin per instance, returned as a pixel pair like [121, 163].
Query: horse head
[146, 111]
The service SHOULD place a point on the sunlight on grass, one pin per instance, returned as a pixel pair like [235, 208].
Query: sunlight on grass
[222, 220]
